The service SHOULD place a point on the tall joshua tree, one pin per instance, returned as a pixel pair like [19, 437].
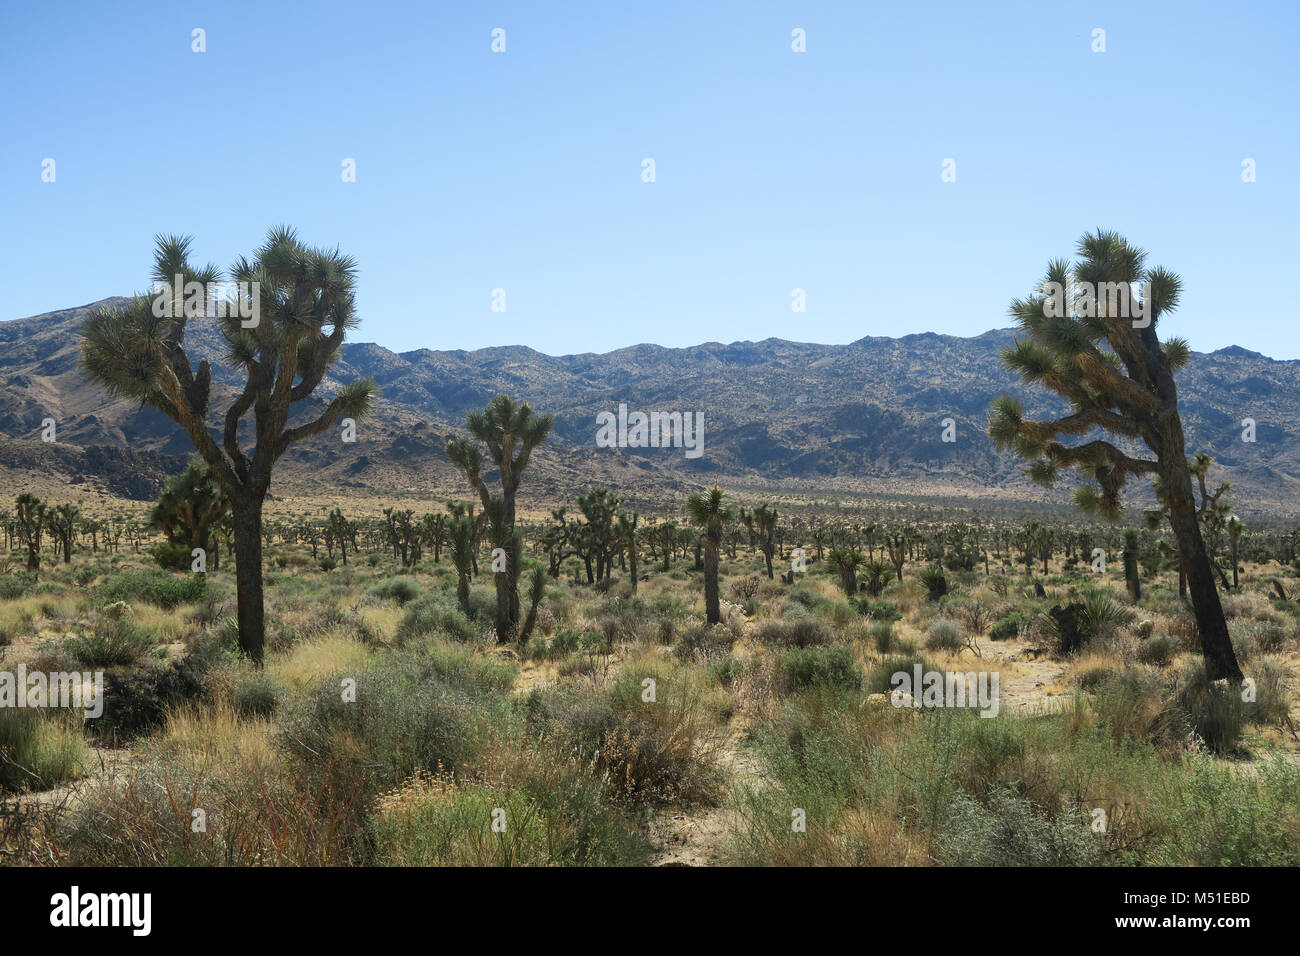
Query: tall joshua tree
[710, 512]
[511, 432]
[289, 295]
[1090, 340]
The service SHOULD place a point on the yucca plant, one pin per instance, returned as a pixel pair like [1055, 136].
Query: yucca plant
[711, 513]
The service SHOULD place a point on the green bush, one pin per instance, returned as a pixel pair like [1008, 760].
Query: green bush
[1010, 625]
[880, 677]
[1158, 650]
[878, 610]
[154, 587]
[807, 632]
[401, 589]
[257, 695]
[432, 615]
[39, 749]
[833, 666]
[16, 584]
[172, 557]
[882, 635]
[111, 642]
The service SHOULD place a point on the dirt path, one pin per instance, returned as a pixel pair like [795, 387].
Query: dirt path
[1029, 682]
[698, 836]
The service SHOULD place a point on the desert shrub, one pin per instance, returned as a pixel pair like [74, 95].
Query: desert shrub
[1272, 704]
[270, 815]
[257, 695]
[16, 584]
[1216, 711]
[807, 632]
[811, 666]
[649, 752]
[39, 749]
[704, 643]
[405, 718]
[1215, 817]
[878, 610]
[137, 700]
[401, 589]
[945, 635]
[1010, 625]
[1158, 650]
[482, 602]
[838, 612]
[802, 595]
[432, 615]
[1007, 830]
[110, 642]
[159, 588]
[1268, 636]
[880, 678]
[1134, 704]
[882, 636]
[555, 816]
[565, 641]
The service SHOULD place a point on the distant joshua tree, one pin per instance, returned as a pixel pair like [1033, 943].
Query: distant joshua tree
[29, 524]
[1106, 360]
[190, 509]
[710, 512]
[761, 523]
[284, 350]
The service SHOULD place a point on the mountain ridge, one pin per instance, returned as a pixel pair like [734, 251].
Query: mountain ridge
[860, 417]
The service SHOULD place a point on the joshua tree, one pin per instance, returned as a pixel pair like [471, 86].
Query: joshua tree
[1131, 576]
[846, 562]
[897, 545]
[341, 530]
[536, 591]
[1234, 533]
[29, 524]
[625, 529]
[876, 572]
[62, 522]
[710, 512]
[190, 508]
[462, 536]
[511, 432]
[1101, 353]
[289, 295]
[666, 535]
[761, 523]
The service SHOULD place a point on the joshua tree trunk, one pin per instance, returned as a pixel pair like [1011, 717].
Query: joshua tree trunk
[1194, 562]
[1131, 577]
[247, 516]
[712, 609]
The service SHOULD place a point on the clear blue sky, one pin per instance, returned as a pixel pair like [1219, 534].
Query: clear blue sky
[775, 170]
